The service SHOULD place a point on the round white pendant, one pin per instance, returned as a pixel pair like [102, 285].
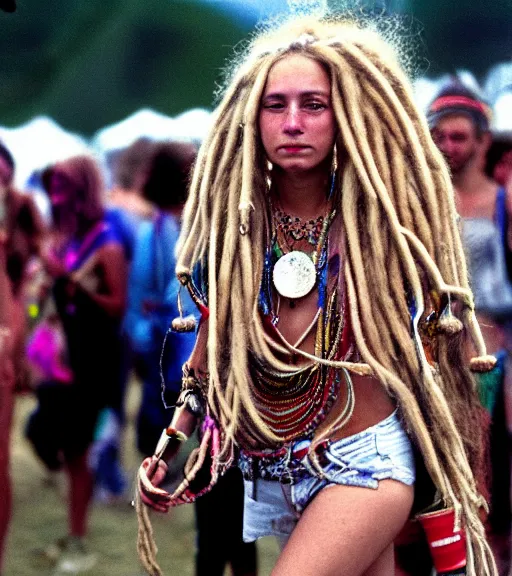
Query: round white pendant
[294, 275]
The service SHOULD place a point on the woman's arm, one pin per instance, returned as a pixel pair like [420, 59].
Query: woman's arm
[153, 470]
[6, 336]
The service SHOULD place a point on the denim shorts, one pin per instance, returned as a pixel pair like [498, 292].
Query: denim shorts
[273, 506]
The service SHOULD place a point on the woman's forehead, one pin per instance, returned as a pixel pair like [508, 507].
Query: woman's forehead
[297, 72]
[60, 174]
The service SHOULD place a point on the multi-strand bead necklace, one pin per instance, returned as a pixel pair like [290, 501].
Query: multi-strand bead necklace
[293, 405]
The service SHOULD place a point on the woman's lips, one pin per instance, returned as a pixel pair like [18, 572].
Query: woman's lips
[293, 149]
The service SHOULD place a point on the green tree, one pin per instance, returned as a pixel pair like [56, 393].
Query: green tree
[91, 63]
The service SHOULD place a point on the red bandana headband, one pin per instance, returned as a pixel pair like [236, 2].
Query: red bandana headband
[460, 102]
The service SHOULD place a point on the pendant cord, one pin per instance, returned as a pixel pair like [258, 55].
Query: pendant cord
[304, 334]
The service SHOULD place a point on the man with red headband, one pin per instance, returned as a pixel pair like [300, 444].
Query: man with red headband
[460, 125]
[459, 122]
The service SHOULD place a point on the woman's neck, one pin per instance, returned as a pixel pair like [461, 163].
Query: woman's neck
[302, 195]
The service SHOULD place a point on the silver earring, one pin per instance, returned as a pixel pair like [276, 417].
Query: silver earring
[334, 164]
[268, 175]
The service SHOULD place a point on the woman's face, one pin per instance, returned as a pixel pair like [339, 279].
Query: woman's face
[6, 174]
[62, 195]
[61, 188]
[296, 119]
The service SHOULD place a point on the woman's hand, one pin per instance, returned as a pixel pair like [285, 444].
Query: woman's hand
[53, 265]
[151, 474]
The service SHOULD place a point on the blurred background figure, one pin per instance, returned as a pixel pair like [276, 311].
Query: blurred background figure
[152, 305]
[126, 205]
[24, 230]
[498, 166]
[153, 291]
[126, 210]
[86, 260]
[21, 232]
[6, 384]
[460, 124]
[499, 158]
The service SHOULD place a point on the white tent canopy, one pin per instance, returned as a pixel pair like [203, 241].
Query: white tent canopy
[191, 126]
[41, 141]
[38, 143]
[503, 112]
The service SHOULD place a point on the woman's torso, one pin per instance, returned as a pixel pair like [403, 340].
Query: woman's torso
[291, 319]
[153, 282]
[484, 244]
[92, 334]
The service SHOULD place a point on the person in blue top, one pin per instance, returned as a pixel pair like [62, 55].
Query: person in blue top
[154, 299]
[152, 296]
[126, 206]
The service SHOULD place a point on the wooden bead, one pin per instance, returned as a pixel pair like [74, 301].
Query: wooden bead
[187, 324]
[449, 325]
[482, 363]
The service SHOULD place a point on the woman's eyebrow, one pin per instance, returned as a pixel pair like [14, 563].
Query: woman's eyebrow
[305, 93]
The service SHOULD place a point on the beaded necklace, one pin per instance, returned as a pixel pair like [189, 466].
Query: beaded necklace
[298, 229]
[295, 272]
[293, 405]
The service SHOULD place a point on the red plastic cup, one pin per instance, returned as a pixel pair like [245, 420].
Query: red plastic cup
[447, 546]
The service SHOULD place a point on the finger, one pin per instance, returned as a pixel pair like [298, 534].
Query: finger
[149, 490]
[156, 470]
[157, 507]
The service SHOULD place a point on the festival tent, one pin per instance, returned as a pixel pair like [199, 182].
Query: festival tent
[38, 143]
[503, 112]
[42, 141]
[190, 126]
[498, 86]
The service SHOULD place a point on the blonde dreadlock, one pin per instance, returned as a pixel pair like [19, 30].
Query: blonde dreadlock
[400, 228]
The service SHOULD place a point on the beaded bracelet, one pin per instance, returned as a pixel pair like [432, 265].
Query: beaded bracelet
[192, 402]
[193, 391]
[190, 381]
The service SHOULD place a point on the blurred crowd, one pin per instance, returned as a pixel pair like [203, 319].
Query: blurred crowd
[88, 295]
[87, 298]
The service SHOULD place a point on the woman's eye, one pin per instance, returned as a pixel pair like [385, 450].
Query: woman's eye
[273, 105]
[316, 105]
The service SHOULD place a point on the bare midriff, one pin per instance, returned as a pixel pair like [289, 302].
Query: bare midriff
[372, 404]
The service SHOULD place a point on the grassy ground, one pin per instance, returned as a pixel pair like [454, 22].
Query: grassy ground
[39, 516]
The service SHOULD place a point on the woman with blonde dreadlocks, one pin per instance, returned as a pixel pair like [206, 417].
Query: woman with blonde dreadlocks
[320, 244]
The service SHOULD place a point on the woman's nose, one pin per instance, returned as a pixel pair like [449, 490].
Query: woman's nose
[292, 121]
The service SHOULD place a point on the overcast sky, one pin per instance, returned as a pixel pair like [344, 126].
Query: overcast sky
[254, 10]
